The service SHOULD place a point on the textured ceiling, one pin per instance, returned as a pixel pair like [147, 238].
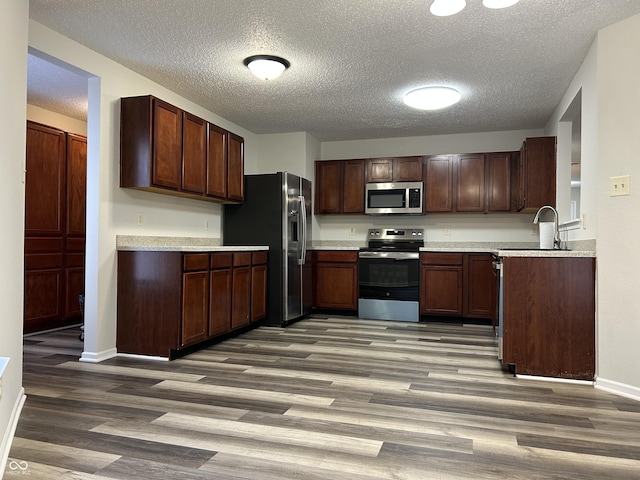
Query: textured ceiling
[351, 60]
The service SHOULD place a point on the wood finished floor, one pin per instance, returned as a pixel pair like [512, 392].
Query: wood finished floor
[326, 398]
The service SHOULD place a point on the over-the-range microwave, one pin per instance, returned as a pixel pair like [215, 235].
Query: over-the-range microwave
[393, 198]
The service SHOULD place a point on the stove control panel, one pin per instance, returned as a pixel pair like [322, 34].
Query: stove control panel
[395, 234]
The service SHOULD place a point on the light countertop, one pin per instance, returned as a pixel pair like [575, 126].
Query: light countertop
[179, 244]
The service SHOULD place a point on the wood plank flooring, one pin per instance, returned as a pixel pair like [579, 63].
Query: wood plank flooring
[326, 398]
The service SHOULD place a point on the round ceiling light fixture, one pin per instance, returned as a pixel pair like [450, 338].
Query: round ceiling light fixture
[499, 3]
[444, 8]
[266, 67]
[432, 98]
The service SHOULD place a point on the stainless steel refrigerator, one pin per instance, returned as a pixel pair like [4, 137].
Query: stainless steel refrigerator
[277, 212]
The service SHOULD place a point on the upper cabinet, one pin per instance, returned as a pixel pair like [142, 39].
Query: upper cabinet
[470, 185]
[167, 150]
[403, 169]
[339, 187]
[537, 174]
[438, 185]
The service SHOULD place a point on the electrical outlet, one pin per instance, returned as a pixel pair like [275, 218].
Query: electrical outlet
[206, 224]
[352, 230]
[447, 230]
[584, 221]
[140, 219]
[619, 186]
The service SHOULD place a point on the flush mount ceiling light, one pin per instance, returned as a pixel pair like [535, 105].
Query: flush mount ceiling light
[444, 8]
[432, 98]
[266, 67]
[499, 3]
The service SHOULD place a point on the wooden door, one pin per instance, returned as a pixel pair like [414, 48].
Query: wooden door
[167, 145]
[470, 187]
[194, 153]
[220, 298]
[353, 183]
[480, 286]
[217, 162]
[337, 285]
[327, 187]
[441, 290]
[241, 302]
[379, 170]
[408, 169]
[438, 188]
[499, 182]
[235, 168]
[258, 292]
[195, 307]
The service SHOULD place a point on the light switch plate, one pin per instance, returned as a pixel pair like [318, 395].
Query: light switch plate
[619, 186]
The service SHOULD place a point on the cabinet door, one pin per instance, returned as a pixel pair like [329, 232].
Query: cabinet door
[167, 145]
[438, 188]
[480, 286]
[337, 285]
[43, 292]
[195, 307]
[470, 196]
[379, 170]
[538, 173]
[408, 169]
[217, 162]
[441, 290]
[258, 292]
[76, 193]
[353, 186]
[194, 153]
[220, 301]
[241, 302]
[45, 181]
[235, 168]
[328, 182]
[499, 182]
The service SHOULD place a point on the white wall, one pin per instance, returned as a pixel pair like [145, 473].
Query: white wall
[463, 228]
[586, 79]
[53, 119]
[13, 98]
[618, 229]
[111, 210]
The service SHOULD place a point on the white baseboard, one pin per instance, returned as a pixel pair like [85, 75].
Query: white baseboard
[97, 357]
[7, 440]
[618, 388]
[144, 357]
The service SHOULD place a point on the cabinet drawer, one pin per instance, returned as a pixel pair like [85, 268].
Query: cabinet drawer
[241, 259]
[441, 258]
[196, 261]
[259, 258]
[336, 256]
[221, 260]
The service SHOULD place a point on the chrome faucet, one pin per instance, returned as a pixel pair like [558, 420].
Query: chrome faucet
[556, 233]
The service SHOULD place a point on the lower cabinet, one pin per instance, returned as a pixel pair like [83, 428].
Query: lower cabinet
[336, 279]
[458, 284]
[171, 300]
[549, 316]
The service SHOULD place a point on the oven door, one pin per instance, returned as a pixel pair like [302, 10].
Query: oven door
[389, 285]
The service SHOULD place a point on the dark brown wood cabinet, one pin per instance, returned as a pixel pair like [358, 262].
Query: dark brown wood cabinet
[339, 187]
[537, 174]
[336, 279]
[258, 286]
[401, 169]
[54, 250]
[164, 149]
[438, 185]
[441, 281]
[185, 298]
[499, 181]
[480, 286]
[470, 183]
[549, 316]
[458, 284]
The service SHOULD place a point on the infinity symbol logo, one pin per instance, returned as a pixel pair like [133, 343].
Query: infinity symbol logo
[14, 465]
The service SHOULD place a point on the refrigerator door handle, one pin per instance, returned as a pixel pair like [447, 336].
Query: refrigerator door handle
[303, 226]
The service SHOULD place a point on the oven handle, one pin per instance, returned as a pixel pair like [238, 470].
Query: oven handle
[391, 255]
